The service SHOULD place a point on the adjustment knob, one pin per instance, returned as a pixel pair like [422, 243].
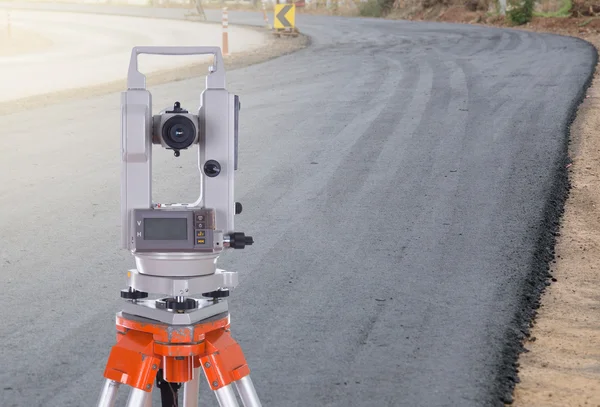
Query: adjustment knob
[212, 168]
[238, 208]
[239, 240]
[217, 294]
[132, 294]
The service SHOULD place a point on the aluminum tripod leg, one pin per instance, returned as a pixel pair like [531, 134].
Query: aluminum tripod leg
[226, 397]
[247, 393]
[148, 400]
[191, 390]
[108, 396]
[139, 398]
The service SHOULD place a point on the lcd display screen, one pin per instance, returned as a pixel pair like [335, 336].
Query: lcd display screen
[165, 229]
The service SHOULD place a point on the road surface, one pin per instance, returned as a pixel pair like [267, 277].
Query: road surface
[396, 177]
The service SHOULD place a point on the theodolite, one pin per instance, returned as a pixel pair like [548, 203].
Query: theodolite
[170, 339]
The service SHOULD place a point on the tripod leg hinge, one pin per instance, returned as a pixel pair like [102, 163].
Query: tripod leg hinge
[132, 360]
[225, 362]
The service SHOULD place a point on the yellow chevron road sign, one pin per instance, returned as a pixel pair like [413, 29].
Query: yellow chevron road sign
[285, 16]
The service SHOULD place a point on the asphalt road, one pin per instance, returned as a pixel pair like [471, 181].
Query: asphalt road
[395, 177]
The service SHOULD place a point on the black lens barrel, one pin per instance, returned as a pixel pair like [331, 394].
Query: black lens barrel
[179, 132]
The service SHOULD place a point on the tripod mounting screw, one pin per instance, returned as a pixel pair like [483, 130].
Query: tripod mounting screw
[132, 294]
[239, 240]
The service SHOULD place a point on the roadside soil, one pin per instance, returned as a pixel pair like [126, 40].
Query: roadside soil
[273, 48]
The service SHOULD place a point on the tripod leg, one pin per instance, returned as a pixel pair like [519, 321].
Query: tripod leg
[191, 390]
[148, 400]
[138, 398]
[247, 393]
[225, 364]
[109, 393]
[226, 397]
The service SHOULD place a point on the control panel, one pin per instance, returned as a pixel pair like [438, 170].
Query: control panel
[170, 230]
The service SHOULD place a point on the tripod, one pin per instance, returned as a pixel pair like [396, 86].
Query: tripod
[173, 355]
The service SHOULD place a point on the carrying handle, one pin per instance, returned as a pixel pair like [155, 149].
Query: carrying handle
[214, 80]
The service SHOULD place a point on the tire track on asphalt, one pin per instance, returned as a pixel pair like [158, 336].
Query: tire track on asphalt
[448, 90]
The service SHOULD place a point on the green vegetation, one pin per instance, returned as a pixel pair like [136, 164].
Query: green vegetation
[564, 11]
[520, 12]
[375, 8]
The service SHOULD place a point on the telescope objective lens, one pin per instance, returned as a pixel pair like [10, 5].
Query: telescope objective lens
[179, 132]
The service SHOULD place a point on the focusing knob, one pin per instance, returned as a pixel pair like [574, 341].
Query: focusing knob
[132, 294]
[212, 168]
[239, 240]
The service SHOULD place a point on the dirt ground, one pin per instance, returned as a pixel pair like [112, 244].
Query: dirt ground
[273, 48]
